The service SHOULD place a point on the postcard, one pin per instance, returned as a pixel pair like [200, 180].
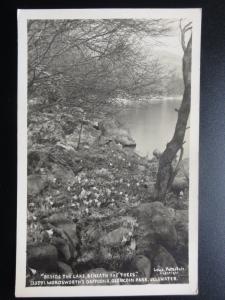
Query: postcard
[108, 143]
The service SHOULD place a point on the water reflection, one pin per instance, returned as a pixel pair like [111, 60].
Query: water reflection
[152, 126]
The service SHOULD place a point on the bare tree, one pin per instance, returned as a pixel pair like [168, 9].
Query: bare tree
[166, 174]
[88, 56]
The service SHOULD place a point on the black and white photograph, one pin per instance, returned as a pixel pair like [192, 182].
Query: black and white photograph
[108, 122]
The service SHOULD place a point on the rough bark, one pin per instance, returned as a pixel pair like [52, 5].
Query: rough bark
[165, 171]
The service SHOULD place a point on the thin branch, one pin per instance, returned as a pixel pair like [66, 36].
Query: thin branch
[183, 31]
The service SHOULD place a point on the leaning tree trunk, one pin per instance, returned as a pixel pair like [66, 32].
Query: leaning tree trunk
[165, 173]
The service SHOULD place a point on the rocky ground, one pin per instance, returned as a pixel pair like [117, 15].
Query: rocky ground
[91, 208]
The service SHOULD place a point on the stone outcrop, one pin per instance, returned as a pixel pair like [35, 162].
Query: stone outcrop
[42, 257]
[112, 130]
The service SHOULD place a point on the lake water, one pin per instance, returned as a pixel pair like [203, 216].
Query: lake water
[152, 126]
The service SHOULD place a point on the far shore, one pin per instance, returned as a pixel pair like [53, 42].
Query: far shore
[128, 101]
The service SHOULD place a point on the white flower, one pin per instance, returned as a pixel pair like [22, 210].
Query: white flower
[68, 189]
[78, 179]
[83, 194]
[49, 232]
[33, 271]
[133, 244]
[108, 192]
[124, 240]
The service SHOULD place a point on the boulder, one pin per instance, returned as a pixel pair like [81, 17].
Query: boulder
[164, 231]
[143, 265]
[115, 237]
[108, 127]
[66, 148]
[36, 159]
[125, 140]
[88, 136]
[67, 231]
[105, 255]
[64, 268]
[63, 174]
[163, 260]
[63, 247]
[42, 257]
[181, 225]
[36, 183]
[179, 184]
[113, 131]
[43, 128]
[181, 220]
[68, 123]
[155, 226]
[115, 247]
[146, 211]
[87, 256]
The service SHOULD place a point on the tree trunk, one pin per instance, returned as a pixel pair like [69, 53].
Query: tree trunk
[165, 171]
